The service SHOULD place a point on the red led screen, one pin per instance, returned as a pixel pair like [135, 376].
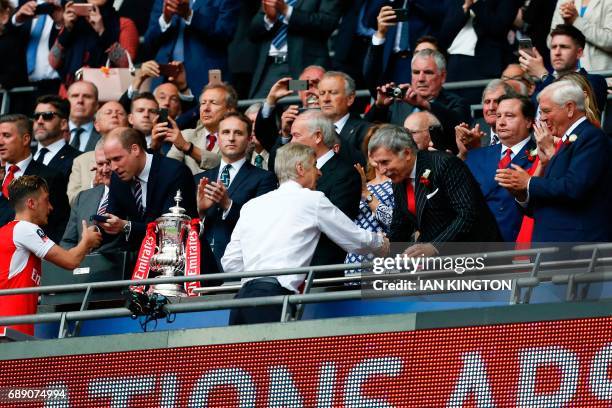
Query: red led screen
[545, 364]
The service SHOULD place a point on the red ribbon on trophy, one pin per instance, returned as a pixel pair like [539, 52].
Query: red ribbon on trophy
[147, 250]
[192, 256]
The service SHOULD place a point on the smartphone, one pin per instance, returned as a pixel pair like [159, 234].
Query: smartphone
[168, 70]
[526, 45]
[214, 76]
[44, 8]
[298, 84]
[82, 9]
[401, 14]
[98, 218]
[163, 116]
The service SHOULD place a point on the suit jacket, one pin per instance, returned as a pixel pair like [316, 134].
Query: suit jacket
[197, 136]
[449, 108]
[242, 52]
[571, 201]
[93, 140]
[63, 159]
[165, 178]
[424, 19]
[249, 182]
[85, 205]
[138, 11]
[57, 197]
[483, 164]
[351, 137]
[312, 23]
[451, 209]
[492, 21]
[341, 184]
[348, 26]
[205, 40]
[81, 176]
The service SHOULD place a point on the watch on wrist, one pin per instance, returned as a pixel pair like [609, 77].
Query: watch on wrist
[127, 228]
[544, 77]
[189, 150]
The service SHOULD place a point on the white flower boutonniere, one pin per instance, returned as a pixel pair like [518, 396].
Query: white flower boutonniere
[572, 138]
[424, 179]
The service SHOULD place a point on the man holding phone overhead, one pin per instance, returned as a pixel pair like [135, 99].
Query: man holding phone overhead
[196, 32]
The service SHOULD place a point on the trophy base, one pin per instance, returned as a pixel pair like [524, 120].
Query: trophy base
[169, 290]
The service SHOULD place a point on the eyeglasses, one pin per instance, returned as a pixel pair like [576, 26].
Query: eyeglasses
[47, 116]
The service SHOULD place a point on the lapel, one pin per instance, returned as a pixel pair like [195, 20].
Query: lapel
[348, 131]
[151, 185]
[94, 201]
[420, 191]
[59, 156]
[493, 157]
[240, 177]
[565, 148]
[521, 158]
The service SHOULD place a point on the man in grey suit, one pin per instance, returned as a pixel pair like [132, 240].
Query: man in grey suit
[90, 202]
[83, 98]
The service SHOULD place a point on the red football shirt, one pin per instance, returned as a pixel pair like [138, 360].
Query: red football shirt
[23, 246]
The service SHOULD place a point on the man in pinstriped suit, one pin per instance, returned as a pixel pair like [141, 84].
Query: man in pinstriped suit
[435, 194]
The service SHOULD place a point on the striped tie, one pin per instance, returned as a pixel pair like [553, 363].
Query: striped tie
[280, 39]
[225, 176]
[103, 206]
[137, 189]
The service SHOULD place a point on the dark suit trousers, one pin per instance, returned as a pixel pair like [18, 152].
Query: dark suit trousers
[271, 73]
[260, 314]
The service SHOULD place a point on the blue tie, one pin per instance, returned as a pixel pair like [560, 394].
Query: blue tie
[225, 176]
[178, 53]
[404, 41]
[33, 43]
[280, 39]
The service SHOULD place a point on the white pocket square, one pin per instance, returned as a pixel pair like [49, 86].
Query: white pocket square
[432, 194]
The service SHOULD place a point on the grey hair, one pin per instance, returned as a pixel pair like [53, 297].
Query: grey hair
[317, 121]
[495, 84]
[287, 158]
[392, 137]
[349, 83]
[429, 53]
[565, 91]
[254, 108]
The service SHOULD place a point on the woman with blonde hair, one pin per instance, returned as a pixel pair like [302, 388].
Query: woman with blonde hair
[590, 105]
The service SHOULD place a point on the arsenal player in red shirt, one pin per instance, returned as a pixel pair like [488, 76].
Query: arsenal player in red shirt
[24, 244]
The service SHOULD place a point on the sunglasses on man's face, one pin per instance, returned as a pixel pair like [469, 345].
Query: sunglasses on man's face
[47, 116]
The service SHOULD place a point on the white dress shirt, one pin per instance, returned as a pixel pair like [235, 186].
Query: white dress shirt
[273, 52]
[143, 178]
[281, 229]
[265, 156]
[22, 166]
[53, 149]
[42, 69]
[85, 135]
[236, 166]
[516, 149]
[339, 125]
[324, 159]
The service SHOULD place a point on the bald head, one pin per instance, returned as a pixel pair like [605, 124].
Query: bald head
[418, 125]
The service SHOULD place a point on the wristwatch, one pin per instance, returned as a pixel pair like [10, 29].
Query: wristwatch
[369, 198]
[544, 77]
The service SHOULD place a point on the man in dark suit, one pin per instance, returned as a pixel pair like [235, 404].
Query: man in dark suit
[339, 181]
[357, 26]
[292, 34]
[515, 120]
[15, 137]
[566, 47]
[224, 189]
[242, 53]
[50, 122]
[570, 201]
[39, 33]
[143, 185]
[336, 96]
[424, 93]
[476, 36]
[89, 202]
[388, 58]
[83, 98]
[197, 34]
[435, 194]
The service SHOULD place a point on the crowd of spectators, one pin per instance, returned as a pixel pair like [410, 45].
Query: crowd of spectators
[416, 164]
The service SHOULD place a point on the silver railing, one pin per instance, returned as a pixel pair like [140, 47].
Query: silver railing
[577, 274]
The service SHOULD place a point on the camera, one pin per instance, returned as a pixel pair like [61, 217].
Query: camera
[395, 92]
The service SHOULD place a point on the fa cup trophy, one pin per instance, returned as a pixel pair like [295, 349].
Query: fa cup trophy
[171, 248]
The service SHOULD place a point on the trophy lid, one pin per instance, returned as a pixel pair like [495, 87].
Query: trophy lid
[177, 211]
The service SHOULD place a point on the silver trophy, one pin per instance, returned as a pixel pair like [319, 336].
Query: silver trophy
[169, 261]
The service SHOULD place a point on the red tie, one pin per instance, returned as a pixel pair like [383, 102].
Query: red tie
[410, 196]
[505, 161]
[212, 139]
[7, 180]
[558, 146]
